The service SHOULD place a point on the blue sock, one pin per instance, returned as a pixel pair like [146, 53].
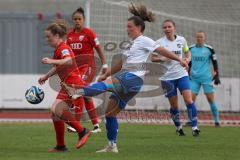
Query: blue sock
[95, 89]
[215, 112]
[175, 115]
[112, 129]
[192, 114]
[189, 119]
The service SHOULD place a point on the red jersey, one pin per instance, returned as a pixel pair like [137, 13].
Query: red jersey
[67, 73]
[82, 42]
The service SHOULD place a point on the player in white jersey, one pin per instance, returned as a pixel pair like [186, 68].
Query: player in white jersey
[177, 76]
[128, 79]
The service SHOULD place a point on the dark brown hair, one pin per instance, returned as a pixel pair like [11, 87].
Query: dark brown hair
[169, 20]
[141, 14]
[79, 10]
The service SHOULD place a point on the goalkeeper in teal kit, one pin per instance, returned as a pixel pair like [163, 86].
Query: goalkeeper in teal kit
[201, 72]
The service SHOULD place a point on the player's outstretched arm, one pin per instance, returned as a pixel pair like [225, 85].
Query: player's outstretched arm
[102, 58]
[164, 52]
[157, 58]
[65, 61]
[45, 77]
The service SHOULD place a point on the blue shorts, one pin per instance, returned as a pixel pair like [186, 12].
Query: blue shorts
[130, 86]
[182, 84]
[206, 84]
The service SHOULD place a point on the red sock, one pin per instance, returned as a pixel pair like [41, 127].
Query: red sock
[76, 125]
[70, 119]
[78, 104]
[59, 130]
[91, 111]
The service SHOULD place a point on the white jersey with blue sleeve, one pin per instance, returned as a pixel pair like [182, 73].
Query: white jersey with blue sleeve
[135, 58]
[178, 46]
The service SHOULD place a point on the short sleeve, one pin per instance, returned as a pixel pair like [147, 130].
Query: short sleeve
[93, 38]
[185, 48]
[65, 53]
[150, 45]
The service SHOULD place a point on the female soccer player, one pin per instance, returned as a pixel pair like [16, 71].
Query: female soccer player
[177, 76]
[128, 78]
[201, 74]
[65, 66]
[83, 40]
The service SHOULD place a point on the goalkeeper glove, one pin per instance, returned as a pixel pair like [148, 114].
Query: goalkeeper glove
[216, 79]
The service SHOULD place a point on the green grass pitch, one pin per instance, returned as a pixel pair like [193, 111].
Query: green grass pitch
[30, 141]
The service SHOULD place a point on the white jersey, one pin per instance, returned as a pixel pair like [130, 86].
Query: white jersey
[178, 46]
[135, 58]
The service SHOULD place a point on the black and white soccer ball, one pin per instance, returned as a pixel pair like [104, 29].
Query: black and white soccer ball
[34, 95]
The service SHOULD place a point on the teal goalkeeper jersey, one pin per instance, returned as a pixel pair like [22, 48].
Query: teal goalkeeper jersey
[201, 62]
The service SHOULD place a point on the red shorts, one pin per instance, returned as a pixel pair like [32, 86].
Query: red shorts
[72, 80]
[76, 106]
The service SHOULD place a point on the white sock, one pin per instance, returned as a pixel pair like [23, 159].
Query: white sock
[96, 125]
[194, 128]
[179, 127]
[111, 143]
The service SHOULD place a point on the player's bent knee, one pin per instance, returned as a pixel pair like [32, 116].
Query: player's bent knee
[112, 112]
[188, 101]
[54, 117]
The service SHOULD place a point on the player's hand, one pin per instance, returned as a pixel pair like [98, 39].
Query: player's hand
[101, 77]
[104, 69]
[187, 60]
[42, 79]
[46, 60]
[216, 79]
[184, 64]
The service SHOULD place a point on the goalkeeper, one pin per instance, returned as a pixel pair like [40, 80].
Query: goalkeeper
[201, 73]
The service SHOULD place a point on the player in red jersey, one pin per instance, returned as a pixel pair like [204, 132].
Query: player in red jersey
[83, 41]
[64, 65]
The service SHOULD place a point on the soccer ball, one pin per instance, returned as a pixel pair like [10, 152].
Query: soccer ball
[34, 95]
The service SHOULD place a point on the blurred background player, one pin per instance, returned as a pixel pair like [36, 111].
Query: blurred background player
[177, 76]
[83, 41]
[201, 72]
[128, 78]
[65, 66]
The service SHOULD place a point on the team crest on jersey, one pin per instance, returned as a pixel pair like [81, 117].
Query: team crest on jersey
[81, 38]
[65, 52]
[179, 45]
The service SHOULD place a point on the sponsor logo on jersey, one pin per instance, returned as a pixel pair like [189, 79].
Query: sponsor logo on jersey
[199, 58]
[81, 38]
[177, 52]
[65, 52]
[76, 45]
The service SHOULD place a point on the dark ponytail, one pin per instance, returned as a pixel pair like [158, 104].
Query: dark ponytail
[79, 10]
[141, 14]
